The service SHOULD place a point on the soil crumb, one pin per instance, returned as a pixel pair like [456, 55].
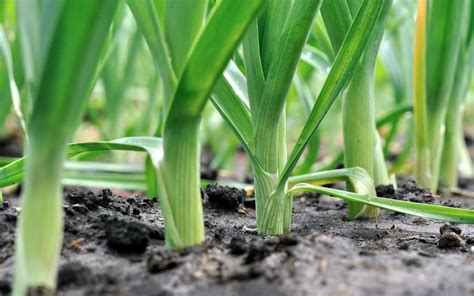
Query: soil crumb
[126, 236]
[228, 198]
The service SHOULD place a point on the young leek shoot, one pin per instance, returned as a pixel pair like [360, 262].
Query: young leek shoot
[362, 146]
[440, 27]
[68, 69]
[191, 56]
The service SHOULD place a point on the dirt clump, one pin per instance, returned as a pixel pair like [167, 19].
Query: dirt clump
[228, 198]
[126, 236]
[407, 190]
[161, 260]
[446, 228]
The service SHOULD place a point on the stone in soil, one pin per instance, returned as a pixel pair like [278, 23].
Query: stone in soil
[450, 240]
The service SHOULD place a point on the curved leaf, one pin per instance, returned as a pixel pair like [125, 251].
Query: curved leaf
[406, 207]
[13, 172]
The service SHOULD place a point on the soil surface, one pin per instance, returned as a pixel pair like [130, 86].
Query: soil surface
[114, 245]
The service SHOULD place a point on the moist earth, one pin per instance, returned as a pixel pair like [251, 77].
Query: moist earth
[114, 245]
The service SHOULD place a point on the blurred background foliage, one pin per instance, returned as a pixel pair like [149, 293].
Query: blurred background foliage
[128, 95]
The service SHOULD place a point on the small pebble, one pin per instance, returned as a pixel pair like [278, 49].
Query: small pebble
[450, 228]
[450, 240]
[404, 246]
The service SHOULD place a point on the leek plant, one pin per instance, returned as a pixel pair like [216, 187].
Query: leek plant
[272, 48]
[64, 66]
[455, 158]
[445, 29]
[191, 49]
[362, 144]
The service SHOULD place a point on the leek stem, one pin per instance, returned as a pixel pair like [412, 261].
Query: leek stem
[454, 128]
[40, 226]
[362, 146]
[448, 23]
[182, 183]
[422, 161]
[358, 118]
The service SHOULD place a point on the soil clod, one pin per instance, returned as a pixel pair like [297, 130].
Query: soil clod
[225, 197]
[451, 204]
[404, 246]
[289, 239]
[74, 273]
[238, 246]
[126, 236]
[257, 252]
[39, 291]
[412, 262]
[5, 205]
[5, 287]
[446, 228]
[249, 202]
[407, 190]
[208, 173]
[161, 260]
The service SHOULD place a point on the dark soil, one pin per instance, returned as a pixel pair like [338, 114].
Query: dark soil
[408, 190]
[115, 246]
